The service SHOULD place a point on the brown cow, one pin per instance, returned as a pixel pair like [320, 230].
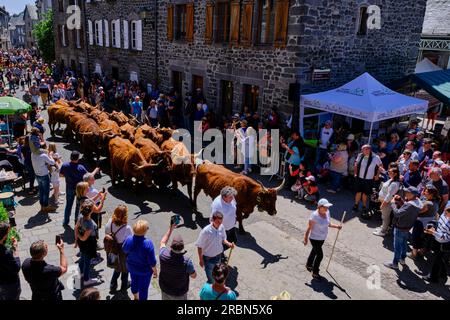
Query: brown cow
[56, 115]
[211, 178]
[127, 160]
[142, 132]
[183, 169]
[90, 135]
[153, 154]
[127, 131]
[159, 135]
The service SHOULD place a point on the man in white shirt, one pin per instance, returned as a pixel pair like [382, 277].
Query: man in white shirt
[366, 168]
[40, 163]
[209, 244]
[226, 204]
[324, 142]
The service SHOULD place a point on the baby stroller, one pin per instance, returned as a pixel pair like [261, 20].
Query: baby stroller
[374, 203]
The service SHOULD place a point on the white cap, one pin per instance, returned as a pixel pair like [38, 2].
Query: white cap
[311, 178]
[351, 137]
[324, 203]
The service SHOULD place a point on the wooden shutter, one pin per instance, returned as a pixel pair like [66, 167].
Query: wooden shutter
[190, 22]
[247, 17]
[100, 32]
[138, 25]
[281, 23]
[126, 41]
[209, 23]
[234, 24]
[170, 22]
[106, 26]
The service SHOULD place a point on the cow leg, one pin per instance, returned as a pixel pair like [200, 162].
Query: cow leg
[239, 218]
[197, 190]
[113, 177]
[189, 188]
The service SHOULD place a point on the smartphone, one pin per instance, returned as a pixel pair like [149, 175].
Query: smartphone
[175, 219]
[58, 239]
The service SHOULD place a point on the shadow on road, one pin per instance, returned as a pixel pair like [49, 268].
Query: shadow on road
[323, 286]
[37, 220]
[247, 241]
[69, 235]
[409, 280]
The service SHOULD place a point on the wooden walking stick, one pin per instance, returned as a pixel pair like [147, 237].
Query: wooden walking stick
[229, 256]
[335, 240]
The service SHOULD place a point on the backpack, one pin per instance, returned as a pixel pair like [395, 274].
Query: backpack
[110, 242]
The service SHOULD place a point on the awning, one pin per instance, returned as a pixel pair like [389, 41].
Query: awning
[437, 83]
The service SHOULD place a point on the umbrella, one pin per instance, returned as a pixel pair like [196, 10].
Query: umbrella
[11, 106]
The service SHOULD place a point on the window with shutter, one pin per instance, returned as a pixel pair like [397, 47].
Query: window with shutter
[100, 33]
[281, 23]
[247, 17]
[190, 22]
[63, 39]
[113, 33]
[90, 32]
[117, 32]
[170, 22]
[81, 35]
[209, 23]
[362, 19]
[106, 28]
[126, 41]
[223, 22]
[180, 22]
[235, 22]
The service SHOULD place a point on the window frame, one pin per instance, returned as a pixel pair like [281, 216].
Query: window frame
[225, 37]
[270, 23]
[180, 24]
[362, 16]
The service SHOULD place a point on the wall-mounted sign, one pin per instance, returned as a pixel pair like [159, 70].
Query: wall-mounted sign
[321, 74]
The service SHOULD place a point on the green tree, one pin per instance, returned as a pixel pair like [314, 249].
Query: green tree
[45, 37]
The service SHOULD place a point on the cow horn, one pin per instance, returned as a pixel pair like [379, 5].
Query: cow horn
[136, 167]
[280, 186]
[155, 164]
[105, 130]
[197, 155]
[262, 186]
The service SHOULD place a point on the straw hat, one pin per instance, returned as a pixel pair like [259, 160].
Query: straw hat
[282, 296]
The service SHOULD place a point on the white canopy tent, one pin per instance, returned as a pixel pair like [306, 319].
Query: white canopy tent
[426, 66]
[363, 98]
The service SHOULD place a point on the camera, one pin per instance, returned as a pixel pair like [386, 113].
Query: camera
[175, 219]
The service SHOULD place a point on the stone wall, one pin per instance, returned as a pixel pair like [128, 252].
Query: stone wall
[330, 40]
[126, 60]
[266, 67]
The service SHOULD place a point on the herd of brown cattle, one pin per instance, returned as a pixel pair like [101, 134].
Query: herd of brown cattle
[152, 156]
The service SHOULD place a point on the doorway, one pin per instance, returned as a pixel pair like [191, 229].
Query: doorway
[227, 97]
[177, 81]
[115, 73]
[251, 97]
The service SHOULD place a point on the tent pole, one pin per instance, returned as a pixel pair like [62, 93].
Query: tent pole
[370, 133]
[302, 115]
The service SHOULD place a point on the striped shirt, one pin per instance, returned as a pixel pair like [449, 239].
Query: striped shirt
[442, 234]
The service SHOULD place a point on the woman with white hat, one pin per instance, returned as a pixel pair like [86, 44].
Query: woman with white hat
[317, 232]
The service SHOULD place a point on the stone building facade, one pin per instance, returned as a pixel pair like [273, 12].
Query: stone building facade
[70, 45]
[122, 39]
[5, 42]
[43, 6]
[248, 52]
[17, 30]
[435, 43]
[30, 17]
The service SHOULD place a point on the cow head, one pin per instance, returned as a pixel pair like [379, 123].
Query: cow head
[166, 133]
[145, 172]
[266, 198]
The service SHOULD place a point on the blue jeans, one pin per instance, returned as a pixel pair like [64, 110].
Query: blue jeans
[140, 284]
[44, 189]
[400, 244]
[85, 266]
[210, 262]
[70, 198]
[335, 180]
[322, 157]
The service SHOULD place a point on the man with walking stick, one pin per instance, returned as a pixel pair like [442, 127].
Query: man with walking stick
[317, 232]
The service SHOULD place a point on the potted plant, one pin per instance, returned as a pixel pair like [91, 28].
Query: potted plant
[4, 217]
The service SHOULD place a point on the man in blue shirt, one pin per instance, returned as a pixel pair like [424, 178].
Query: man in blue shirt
[136, 108]
[412, 177]
[73, 172]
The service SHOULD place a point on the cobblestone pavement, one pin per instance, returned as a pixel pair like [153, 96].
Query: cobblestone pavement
[268, 260]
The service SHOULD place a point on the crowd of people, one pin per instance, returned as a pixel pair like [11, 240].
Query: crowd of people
[404, 180]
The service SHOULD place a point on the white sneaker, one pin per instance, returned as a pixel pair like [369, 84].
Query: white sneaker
[331, 191]
[92, 282]
[379, 233]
